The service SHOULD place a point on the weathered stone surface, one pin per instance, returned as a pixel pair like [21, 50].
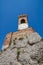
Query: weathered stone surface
[34, 37]
[22, 53]
[32, 54]
[19, 43]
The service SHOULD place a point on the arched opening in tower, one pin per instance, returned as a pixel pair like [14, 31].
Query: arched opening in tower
[22, 21]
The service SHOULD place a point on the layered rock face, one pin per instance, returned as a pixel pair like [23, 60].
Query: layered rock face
[27, 49]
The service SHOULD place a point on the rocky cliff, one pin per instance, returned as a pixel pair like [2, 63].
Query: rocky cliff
[25, 50]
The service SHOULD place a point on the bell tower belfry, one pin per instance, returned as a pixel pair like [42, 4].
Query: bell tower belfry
[22, 22]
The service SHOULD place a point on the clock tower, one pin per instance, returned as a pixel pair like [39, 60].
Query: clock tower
[22, 22]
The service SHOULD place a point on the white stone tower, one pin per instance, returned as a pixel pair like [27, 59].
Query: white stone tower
[22, 22]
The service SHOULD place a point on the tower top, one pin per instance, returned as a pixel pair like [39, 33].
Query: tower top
[22, 22]
[24, 15]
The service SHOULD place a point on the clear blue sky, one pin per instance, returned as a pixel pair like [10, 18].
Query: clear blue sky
[9, 11]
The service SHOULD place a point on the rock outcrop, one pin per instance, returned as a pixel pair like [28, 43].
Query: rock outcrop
[25, 50]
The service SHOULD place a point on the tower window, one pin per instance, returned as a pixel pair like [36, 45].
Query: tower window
[22, 21]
